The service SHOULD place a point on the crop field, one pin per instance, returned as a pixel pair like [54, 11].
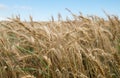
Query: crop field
[82, 47]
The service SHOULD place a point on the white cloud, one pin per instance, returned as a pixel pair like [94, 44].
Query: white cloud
[2, 18]
[20, 7]
[2, 7]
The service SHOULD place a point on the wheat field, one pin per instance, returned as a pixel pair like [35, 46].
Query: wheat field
[84, 47]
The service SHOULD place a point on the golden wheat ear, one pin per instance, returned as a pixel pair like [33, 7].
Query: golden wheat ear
[81, 47]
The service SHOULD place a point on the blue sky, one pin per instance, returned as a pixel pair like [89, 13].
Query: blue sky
[44, 9]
